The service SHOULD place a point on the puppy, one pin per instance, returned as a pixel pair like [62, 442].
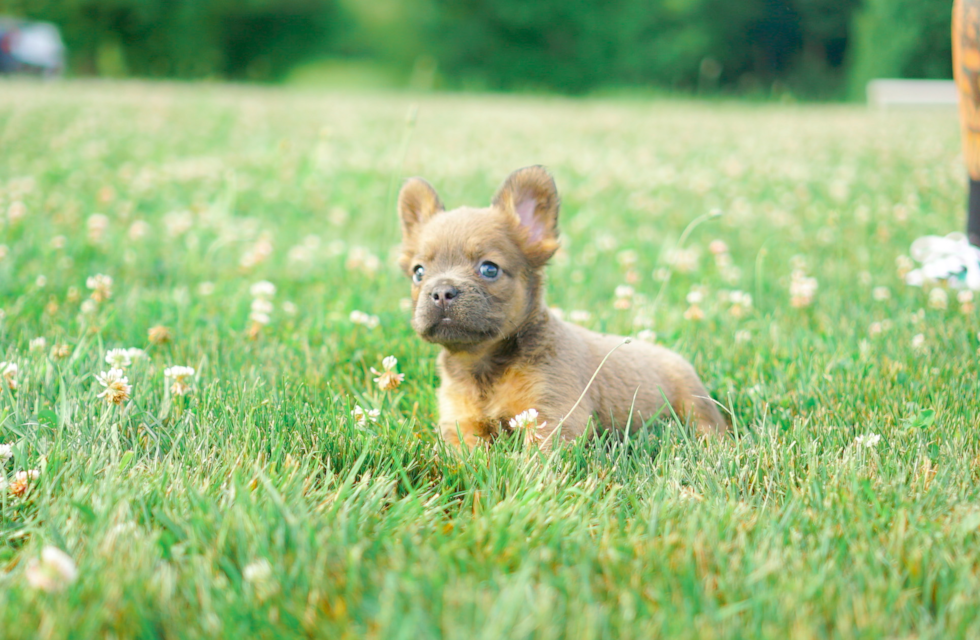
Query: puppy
[477, 290]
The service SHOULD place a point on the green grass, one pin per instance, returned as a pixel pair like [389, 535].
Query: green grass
[787, 529]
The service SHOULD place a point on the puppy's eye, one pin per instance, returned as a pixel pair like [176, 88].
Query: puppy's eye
[417, 273]
[489, 270]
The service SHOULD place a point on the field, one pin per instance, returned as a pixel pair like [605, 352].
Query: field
[248, 500]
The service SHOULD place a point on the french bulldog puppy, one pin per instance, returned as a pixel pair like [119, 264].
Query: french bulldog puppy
[477, 290]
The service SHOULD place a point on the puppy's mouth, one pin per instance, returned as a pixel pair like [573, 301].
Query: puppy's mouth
[447, 330]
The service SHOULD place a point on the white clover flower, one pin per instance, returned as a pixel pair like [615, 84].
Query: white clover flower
[8, 374]
[718, 247]
[918, 341]
[360, 259]
[53, 572]
[259, 252]
[257, 571]
[6, 452]
[903, 264]
[683, 260]
[139, 230]
[694, 312]
[16, 211]
[259, 575]
[38, 344]
[694, 297]
[362, 416]
[881, 294]
[868, 440]
[624, 291]
[135, 353]
[179, 375]
[101, 286]
[361, 318]
[627, 257]
[742, 336]
[259, 318]
[580, 315]
[388, 379]
[97, 225]
[177, 223]
[965, 298]
[938, 299]
[299, 253]
[22, 482]
[116, 387]
[647, 336]
[118, 358]
[605, 242]
[263, 289]
[741, 303]
[526, 422]
[261, 305]
[801, 289]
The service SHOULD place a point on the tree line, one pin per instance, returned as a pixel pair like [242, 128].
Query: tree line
[813, 48]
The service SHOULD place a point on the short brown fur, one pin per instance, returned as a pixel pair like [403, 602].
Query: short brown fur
[503, 351]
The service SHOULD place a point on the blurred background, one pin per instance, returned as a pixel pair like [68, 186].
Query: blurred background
[811, 49]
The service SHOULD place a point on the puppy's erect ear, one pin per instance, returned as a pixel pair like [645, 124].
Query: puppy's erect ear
[530, 195]
[417, 203]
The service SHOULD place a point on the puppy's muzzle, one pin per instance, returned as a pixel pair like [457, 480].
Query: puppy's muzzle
[443, 294]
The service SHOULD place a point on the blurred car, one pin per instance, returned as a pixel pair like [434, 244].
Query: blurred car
[30, 47]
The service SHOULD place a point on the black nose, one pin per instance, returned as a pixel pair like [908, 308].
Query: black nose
[443, 295]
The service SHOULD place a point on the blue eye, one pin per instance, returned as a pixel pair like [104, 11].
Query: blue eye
[417, 273]
[489, 270]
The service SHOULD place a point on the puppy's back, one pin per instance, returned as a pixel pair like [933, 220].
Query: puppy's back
[644, 377]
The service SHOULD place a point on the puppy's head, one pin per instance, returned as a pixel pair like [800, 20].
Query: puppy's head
[476, 272]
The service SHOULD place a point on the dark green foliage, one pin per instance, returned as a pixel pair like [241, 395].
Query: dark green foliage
[812, 47]
[256, 39]
[901, 38]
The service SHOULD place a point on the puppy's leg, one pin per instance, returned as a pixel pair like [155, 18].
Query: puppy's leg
[466, 433]
[697, 407]
[461, 420]
[550, 430]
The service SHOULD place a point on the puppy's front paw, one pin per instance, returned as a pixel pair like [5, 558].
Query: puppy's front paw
[470, 439]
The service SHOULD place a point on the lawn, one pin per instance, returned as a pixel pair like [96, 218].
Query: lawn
[262, 497]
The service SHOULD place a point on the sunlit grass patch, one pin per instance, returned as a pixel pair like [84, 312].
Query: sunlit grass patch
[212, 401]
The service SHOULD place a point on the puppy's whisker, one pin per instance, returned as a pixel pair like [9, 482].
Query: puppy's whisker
[591, 380]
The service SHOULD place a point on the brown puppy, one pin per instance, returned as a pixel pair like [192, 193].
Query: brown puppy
[477, 291]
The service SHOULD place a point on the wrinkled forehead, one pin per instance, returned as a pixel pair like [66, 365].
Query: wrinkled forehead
[466, 235]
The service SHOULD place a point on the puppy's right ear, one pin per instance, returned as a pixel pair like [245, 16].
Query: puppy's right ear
[417, 203]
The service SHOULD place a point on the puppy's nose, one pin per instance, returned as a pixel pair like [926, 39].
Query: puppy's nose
[444, 295]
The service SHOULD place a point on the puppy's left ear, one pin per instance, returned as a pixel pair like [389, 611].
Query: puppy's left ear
[530, 195]
[417, 203]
